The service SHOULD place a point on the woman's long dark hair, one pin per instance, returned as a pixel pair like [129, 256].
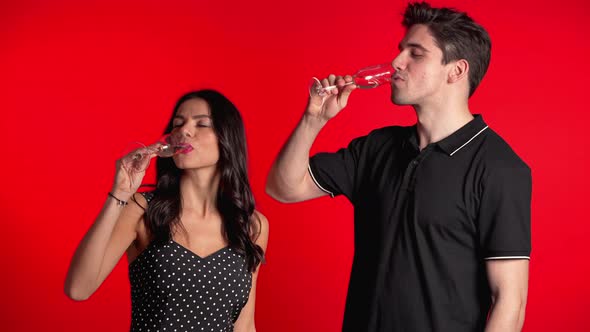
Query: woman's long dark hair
[235, 201]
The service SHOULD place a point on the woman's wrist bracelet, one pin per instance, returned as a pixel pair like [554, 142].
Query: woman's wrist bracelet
[119, 202]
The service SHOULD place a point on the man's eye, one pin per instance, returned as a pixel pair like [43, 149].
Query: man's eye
[174, 125]
[203, 124]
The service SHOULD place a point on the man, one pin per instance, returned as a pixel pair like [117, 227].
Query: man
[442, 208]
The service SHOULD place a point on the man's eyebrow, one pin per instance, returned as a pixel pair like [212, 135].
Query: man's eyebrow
[198, 116]
[401, 46]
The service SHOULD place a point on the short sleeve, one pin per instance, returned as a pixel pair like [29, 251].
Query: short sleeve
[338, 173]
[505, 213]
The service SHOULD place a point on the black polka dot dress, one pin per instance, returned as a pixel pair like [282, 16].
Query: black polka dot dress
[173, 289]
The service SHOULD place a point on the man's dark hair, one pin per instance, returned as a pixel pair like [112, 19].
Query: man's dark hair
[456, 34]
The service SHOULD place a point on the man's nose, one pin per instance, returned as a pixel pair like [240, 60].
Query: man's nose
[398, 63]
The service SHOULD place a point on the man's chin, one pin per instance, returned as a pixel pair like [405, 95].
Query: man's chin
[397, 100]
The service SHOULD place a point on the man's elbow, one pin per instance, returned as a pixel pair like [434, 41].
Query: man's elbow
[275, 193]
[76, 293]
[277, 190]
[288, 191]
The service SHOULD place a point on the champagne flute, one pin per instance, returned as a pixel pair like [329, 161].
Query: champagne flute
[166, 146]
[366, 78]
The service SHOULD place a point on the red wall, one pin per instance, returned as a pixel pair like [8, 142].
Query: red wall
[81, 79]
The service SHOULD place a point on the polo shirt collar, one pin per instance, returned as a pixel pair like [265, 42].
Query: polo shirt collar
[460, 138]
[457, 140]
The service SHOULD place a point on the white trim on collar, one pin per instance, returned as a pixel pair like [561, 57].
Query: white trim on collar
[471, 139]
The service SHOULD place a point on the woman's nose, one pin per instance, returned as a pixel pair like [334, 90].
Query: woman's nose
[186, 131]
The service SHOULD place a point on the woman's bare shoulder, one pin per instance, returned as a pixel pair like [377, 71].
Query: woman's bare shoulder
[259, 228]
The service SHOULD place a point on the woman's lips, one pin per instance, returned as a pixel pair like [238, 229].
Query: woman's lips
[185, 147]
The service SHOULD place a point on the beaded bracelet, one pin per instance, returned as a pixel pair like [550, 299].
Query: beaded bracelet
[119, 202]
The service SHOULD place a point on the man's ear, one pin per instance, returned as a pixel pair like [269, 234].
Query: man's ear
[459, 70]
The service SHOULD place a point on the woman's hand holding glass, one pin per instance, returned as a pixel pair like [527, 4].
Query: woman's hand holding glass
[126, 181]
[132, 166]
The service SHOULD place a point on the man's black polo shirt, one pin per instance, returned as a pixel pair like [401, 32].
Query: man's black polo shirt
[425, 223]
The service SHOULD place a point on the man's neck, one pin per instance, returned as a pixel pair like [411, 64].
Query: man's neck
[437, 123]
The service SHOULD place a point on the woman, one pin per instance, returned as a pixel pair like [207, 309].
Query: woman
[195, 242]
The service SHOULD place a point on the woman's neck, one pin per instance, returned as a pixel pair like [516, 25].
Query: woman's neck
[198, 191]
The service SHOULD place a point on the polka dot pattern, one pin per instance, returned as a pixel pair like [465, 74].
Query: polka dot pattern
[173, 289]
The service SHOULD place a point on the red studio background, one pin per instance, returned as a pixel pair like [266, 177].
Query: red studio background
[79, 80]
